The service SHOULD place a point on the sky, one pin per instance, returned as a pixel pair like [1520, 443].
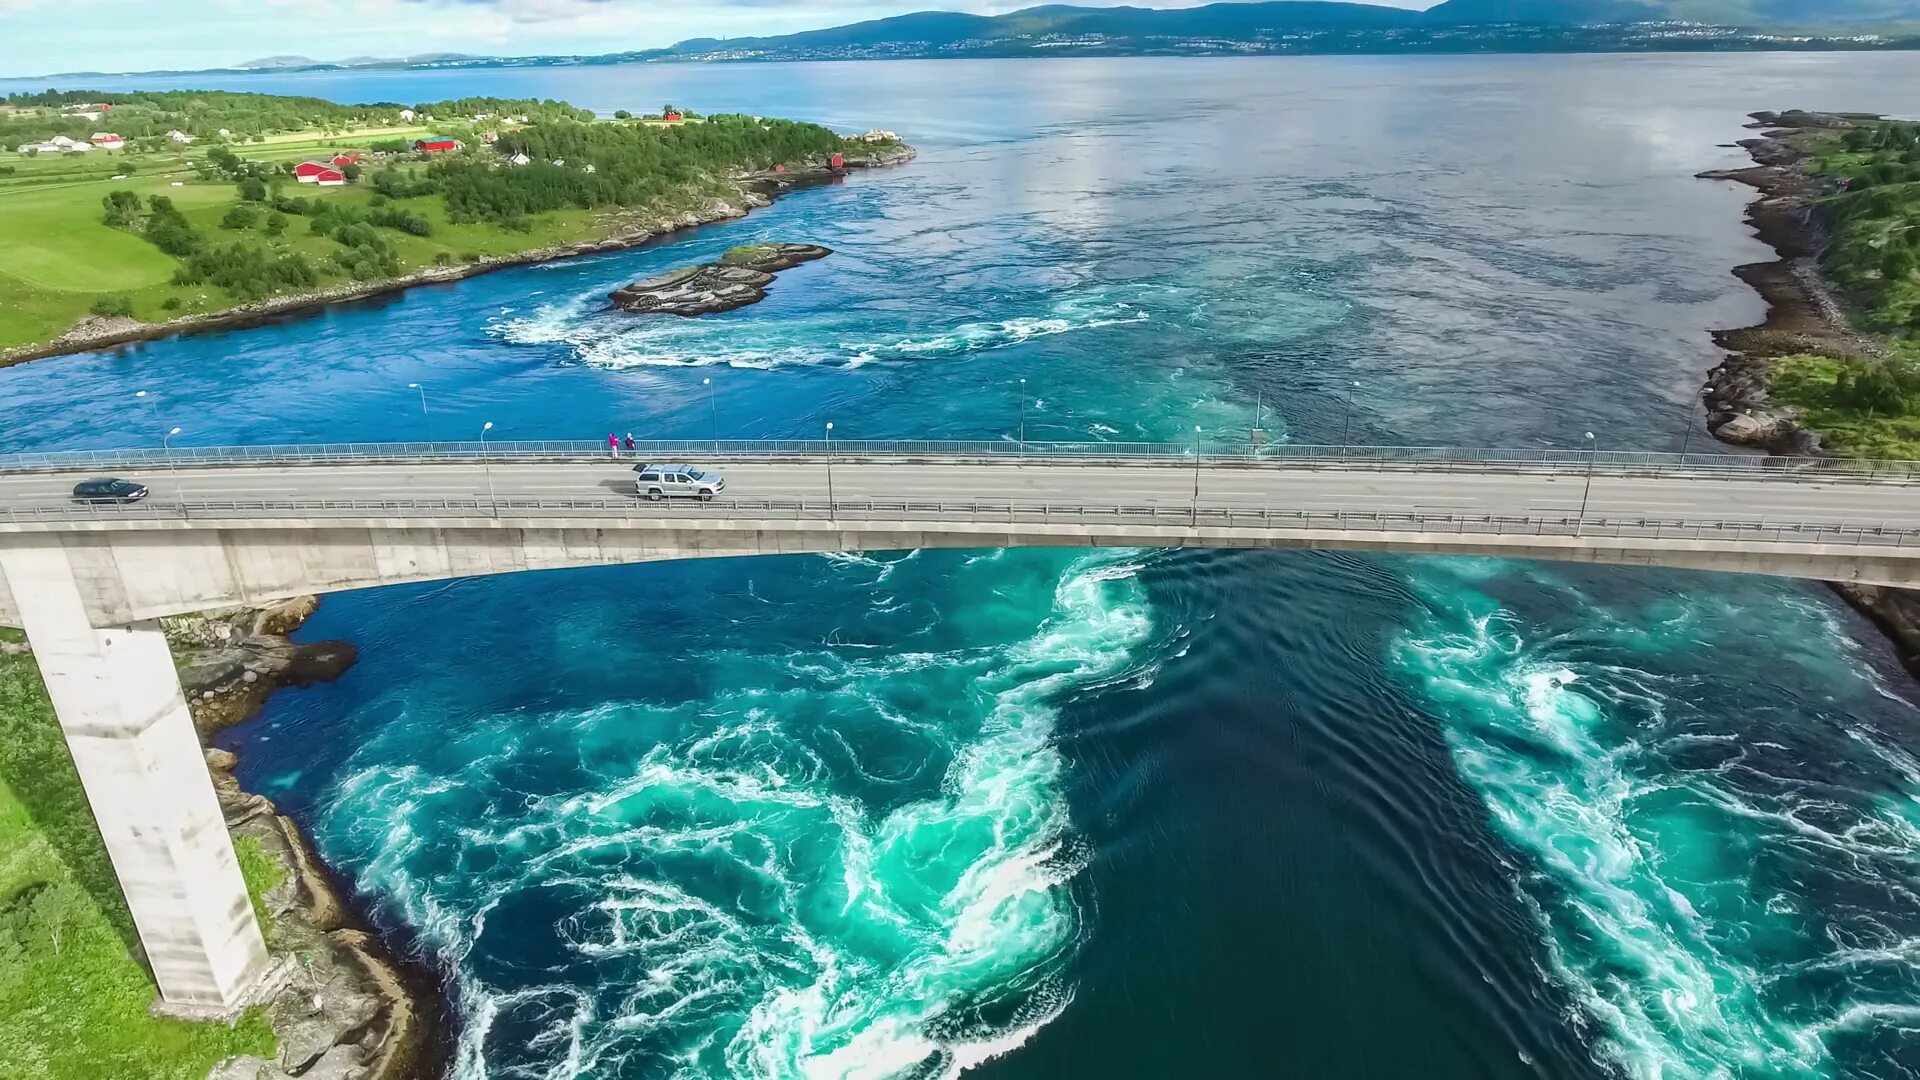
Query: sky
[39, 37]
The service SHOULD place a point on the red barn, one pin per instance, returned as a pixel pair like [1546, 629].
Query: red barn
[670, 117]
[346, 159]
[836, 162]
[435, 144]
[330, 178]
[308, 172]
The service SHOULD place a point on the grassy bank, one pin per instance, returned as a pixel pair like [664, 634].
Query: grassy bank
[74, 992]
[1862, 394]
[202, 228]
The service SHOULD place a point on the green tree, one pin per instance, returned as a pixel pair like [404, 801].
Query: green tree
[123, 209]
[622, 114]
[253, 189]
[276, 224]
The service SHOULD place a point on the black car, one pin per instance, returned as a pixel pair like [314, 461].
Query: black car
[108, 489]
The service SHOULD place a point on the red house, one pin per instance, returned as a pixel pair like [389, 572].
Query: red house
[670, 117]
[352, 158]
[836, 162]
[435, 144]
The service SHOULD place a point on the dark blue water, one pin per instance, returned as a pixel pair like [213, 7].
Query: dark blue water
[1114, 813]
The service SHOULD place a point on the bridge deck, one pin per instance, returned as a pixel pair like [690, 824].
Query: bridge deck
[422, 489]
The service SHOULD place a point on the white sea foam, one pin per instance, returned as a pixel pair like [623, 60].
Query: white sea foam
[1633, 855]
[732, 906]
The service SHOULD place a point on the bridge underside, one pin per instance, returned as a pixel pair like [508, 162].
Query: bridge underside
[129, 572]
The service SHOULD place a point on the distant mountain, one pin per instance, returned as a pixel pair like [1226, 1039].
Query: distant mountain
[275, 63]
[1317, 26]
[1270, 27]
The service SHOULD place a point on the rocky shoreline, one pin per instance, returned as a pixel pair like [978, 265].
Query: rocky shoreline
[741, 277]
[1804, 315]
[631, 229]
[350, 1009]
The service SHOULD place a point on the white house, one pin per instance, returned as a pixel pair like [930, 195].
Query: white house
[519, 159]
[180, 137]
[879, 135]
[224, 133]
[406, 114]
[59, 144]
[107, 140]
[86, 114]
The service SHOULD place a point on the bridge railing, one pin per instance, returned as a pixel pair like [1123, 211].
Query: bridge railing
[1425, 458]
[486, 512]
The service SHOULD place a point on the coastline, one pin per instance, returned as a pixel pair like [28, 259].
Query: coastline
[1805, 314]
[752, 192]
[349, 1004]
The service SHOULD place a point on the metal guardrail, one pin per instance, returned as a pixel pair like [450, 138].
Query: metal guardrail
[984, 512]
[1422, 458]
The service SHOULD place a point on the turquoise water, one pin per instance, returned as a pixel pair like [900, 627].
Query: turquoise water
[1111, 813]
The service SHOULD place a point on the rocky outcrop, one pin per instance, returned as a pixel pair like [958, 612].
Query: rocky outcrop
[232, 659]
[1804, 316]
[741, 277]
[347, 1012]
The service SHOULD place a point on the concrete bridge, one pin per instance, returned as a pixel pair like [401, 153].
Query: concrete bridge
[243, 525]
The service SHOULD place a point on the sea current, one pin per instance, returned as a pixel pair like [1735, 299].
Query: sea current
[1107, 813]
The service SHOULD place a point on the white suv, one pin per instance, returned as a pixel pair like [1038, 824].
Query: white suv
[662, 481]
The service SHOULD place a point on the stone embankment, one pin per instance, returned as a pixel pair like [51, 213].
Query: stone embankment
[1804, 316]
[741, 277]
[624, 229]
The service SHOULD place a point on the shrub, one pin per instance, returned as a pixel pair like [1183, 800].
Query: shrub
[113, 305]
[241, 216]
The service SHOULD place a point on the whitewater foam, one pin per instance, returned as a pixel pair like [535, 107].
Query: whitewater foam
[748, 897]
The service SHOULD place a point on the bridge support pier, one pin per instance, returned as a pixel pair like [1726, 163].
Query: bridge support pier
[120, 706]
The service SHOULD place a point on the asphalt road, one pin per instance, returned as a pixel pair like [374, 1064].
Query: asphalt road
[1689, 498]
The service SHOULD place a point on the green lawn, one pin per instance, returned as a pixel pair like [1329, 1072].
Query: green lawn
[73, 992]
[1806, 383]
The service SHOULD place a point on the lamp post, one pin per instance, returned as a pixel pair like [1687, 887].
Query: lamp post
[713, 416]
[425, 420]
[1593, 451]
[1194, 520]
[486, 465]
[166, 445]
[829, 469]
[1023, 417]
[1253, 433]
[1687, 440]
[1346, 425]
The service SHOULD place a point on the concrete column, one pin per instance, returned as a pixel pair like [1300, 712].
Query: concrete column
[126, 723]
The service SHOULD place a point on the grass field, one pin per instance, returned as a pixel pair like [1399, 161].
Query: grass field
[73, 991]
[57, 255]
[1807, 382]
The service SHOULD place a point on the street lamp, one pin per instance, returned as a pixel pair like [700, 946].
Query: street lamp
[166, 445]
[425, 421]
[1688, 439]
[1195, 519]
[713, 416]
[1023, 417]
[829, 469]
[486, 464]
[1593, 451]
[1346, 426]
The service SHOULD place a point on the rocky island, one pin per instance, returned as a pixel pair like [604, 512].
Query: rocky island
[739, 278]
